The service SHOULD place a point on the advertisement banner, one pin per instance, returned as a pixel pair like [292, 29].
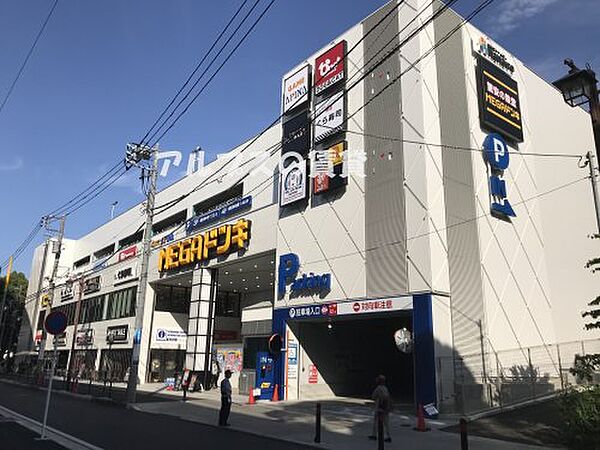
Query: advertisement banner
[126, 274]
[330, 117]
[128, 253]
[296, 134]
[220, 213]
[92, 285]
[499, 104]
[331, 158]
[330, 67]
[293, 178]
[84, 337]
[296, 89]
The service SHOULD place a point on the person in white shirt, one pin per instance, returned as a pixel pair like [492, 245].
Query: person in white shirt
[225, 400]
[383, 406]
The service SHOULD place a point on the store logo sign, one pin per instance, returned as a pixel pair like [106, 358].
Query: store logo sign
[128, 253]
[293, 178]
[296, 89]
[219, 241]
[330, 117]
[163, 335]
[488, 51]
[125, 274]
[497, 155]
[289, 265]
[329, 67]
[117, 334]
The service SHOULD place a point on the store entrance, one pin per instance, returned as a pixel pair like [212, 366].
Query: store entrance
[351, 352]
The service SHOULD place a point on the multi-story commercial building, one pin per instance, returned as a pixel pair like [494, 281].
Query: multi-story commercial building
[406, 216]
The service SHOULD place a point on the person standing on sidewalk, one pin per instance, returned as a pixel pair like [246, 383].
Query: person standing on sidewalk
[225, 400]
[383, 406]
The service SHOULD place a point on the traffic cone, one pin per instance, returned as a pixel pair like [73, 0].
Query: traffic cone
[275, 394]
[251, 400]
[420, 420]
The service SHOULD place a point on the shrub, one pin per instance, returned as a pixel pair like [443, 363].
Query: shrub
[580, 409]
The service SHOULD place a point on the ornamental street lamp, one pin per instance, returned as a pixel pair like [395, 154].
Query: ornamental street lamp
[579, 87]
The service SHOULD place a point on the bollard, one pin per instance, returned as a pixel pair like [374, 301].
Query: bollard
[380, 443]
[318, 424]
[464, 437]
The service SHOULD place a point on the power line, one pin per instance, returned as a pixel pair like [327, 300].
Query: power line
[244, 37]
[29, 53]
[223, 31]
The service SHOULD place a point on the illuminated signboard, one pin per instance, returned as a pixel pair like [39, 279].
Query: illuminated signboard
[329, 168]
[218, 241]
[330, 67]
[499, 105]
[330, 117]
[495, 151]
[296, 89]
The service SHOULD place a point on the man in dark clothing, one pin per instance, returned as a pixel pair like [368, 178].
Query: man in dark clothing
[225, 400]
[383, 405]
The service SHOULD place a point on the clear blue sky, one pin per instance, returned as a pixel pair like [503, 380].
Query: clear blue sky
[103, 70]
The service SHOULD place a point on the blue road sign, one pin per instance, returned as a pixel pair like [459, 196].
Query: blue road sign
[56, 322]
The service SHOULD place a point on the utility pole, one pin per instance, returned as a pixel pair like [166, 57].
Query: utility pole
[3, 304]
[136, 154]
[57, 248]
[80, 283]
[594, 173]
[38, 296]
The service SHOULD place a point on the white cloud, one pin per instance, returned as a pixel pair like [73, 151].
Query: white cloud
[512, 13]
[11, 166]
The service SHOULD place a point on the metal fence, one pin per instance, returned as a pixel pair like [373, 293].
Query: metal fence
[475, 383]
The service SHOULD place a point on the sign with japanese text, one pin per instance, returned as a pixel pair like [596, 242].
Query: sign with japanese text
[130, 252]
[313, 374]
[499, 105]
[374, 306]
[491, 53]
[218, 214]
[84, 337]
[330, 117]
[219, 241]
[125, 274]
[296, 89]
[66, 293]
[330, 67]
[92, 284]
[329, 168]
[296, 134]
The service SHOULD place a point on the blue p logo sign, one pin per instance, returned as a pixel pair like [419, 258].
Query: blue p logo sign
[288, 268]
[496, 151]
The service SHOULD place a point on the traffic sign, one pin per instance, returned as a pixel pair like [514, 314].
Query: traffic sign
[56, 322]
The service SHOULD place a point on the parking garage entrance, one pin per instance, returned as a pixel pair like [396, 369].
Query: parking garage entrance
[338, 349]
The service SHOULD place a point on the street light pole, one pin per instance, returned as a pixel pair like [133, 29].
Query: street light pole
[594, 173]
[139, 153]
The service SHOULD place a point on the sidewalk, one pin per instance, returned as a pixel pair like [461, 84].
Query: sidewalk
[346, 423]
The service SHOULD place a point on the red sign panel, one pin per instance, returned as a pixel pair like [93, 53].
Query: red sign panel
[128, 253]
[313, 374]
[330, 67]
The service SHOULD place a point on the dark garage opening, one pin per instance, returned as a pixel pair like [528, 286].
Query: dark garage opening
[351, 352]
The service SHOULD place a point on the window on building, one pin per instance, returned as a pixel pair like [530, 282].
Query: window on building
[81, 263]
[169, 222]
[91, 309]
[228, 304]
[222, 198]
[130, 240]
[105, 252]
[121, 303]
[173, 299]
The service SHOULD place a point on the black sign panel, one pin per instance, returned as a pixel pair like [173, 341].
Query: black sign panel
[296, 134]
[499, 104]
[91, 285]
[117, 334]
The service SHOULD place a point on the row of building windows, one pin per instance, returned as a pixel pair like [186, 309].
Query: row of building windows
[116, 305]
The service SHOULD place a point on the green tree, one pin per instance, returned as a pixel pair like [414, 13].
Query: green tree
[13, 309]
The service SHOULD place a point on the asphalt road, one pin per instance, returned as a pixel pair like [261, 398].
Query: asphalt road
[14, 436]
[114, 427]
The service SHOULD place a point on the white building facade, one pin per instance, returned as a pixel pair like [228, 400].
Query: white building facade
[443, 223]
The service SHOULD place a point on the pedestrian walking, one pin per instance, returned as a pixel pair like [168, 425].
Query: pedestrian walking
[225, 400]
[215, 371]
[383, 406]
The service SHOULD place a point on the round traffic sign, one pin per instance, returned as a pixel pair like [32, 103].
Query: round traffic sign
[56, 322]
